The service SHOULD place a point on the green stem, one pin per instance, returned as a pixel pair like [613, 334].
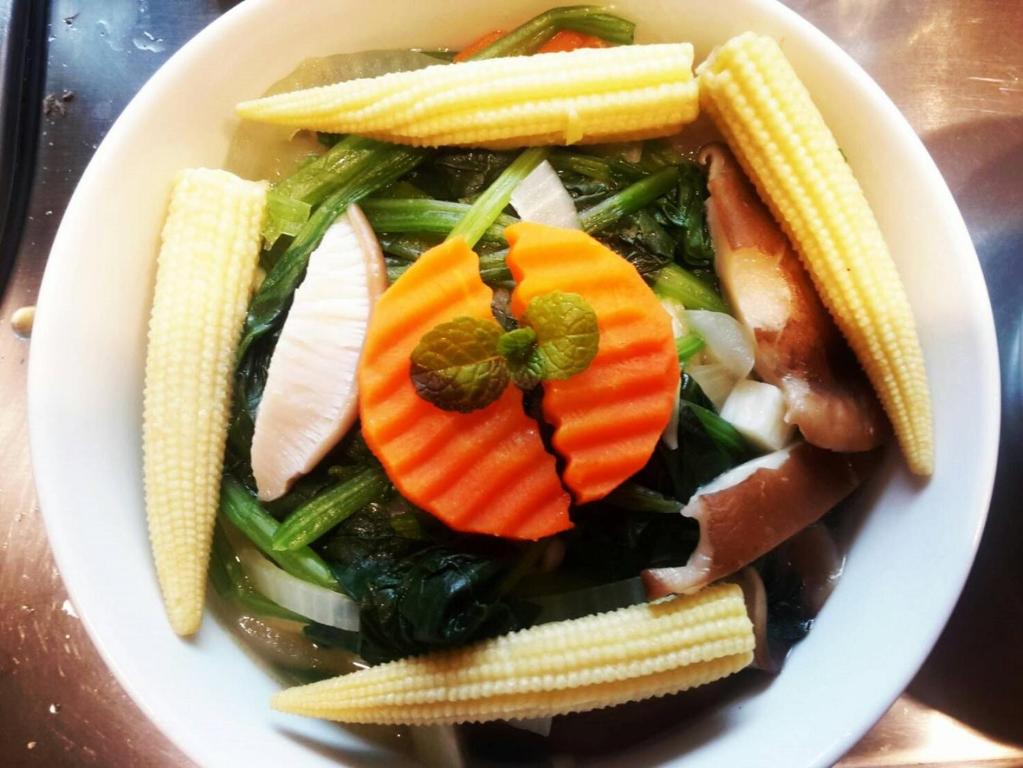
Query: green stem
[719, 430]
[375, 169]
[590, 166]
[321, 513]
[494, 268]
[405, 247]
[638, 498]
[588, 19]
[430, 217]
[230, 582]
[681, 285]
[238, 506]
[488, 207]
[688, 346]
[627, 201]
[291, 200]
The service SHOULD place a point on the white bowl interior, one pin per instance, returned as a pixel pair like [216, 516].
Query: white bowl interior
[909, 557]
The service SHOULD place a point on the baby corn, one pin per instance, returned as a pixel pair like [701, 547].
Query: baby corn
[204, 277]
[581, 96]
[634, 653]
[756, 99]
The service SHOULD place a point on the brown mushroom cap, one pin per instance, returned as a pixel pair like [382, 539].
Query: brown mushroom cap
[753, 508]
[799, 347]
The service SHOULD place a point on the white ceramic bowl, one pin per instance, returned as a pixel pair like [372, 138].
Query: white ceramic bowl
[910, 555]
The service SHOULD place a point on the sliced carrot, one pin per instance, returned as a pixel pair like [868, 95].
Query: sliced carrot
[607, 420]
[479, 44]
[567, 40]
[480, 472]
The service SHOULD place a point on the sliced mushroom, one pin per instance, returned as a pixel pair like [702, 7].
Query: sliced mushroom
[751, 509]
[799, 348]
[814, 555]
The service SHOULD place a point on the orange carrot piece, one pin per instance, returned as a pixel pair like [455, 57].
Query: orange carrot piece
[607, 420]
[481, 472]
[479, 44]
[567, 40]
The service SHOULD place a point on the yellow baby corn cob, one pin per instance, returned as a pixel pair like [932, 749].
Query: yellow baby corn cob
[204, 277]
[756, 99]
[647, 650]
[581, 96]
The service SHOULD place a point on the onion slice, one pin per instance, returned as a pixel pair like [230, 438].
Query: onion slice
[541, 197]
[319, 604]
[715, 380]
[728, 341]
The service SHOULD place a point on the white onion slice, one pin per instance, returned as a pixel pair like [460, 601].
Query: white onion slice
[670, 434]
[757, 410]
[679, 328]
[728, 341]
[677, 313]
[317, 603]
[541, 197]
[715, 380]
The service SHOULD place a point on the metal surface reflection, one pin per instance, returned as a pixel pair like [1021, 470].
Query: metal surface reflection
[955, 68]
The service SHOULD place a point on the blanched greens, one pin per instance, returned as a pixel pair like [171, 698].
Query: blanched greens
[419, 586]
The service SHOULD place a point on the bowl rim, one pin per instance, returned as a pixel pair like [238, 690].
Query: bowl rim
[62, 546]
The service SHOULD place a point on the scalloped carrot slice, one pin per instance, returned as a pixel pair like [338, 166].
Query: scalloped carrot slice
[481, 472]
[607, 420]
[570, 40]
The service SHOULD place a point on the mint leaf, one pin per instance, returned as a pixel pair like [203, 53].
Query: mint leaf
[566, 333]
[517, 344]
[457, 366]
[527, 373]
[524, 363]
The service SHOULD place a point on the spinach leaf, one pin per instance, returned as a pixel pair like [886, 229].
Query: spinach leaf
[419, 586]
[249, 381]
[703, 453]
[608, 544]
[642, 240]
[682, 212]
[459, 174]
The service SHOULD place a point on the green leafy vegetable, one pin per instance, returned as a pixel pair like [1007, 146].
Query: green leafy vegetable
[379, 166]
[427, 217]
[692, 292]
[405, 247]
[567, 335]
[683, 209]
[457, 365]
[519, 348]
[242, 509]
[230, 582]
[459, 174]
[489, 205]
[607, 545]
[640, 239]
[420, 587]
[465, 364]
[634, 497]
[629, 200]
[518, 344]
[326, 510]
[284, 216]
[688, 345]
[590, 20]
[291, 200]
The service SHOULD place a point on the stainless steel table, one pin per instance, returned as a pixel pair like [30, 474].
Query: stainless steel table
[955, 67]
